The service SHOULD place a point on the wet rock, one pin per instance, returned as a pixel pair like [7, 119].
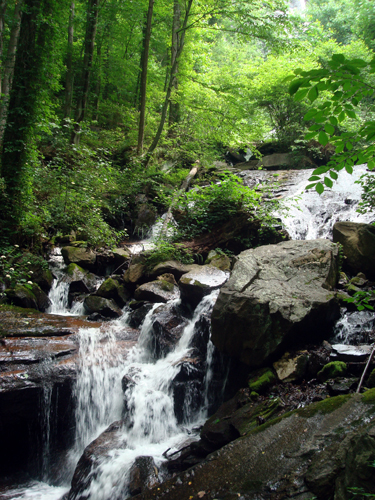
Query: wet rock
[135, 273]
[301, 454]
[112, 261]
[82, 256]
[143, 474]
[344, 352]
[138, 315]
[371, 380]
[86, 469]
[333, 369]
[195, 284]
[201, 335]
[112, 289]
[167, 328]
[42, 276]
[220, 261]
[173, 267]
[33, 324]
[291, 368]
[358, 242]
[105, 307]
[342, 385]
[276, 294]
[157, 291]
[80, 281]
[21, 296]
[188, 388]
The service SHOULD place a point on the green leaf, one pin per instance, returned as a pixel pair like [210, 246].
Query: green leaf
[321, 170]
[309, 186]
[300, 94]
[333, 175]
[341, 116]
[371, 164]
[329, 129]
[316, 126]
[349, 146]
[328, 182]
[338, 58]
[310, 114]
[294, 86]
[319, 188]
[313, 93]
[349, 169]
[313, 178]
[323, 138]
[351, 113]
[310, 135]
[333, 120]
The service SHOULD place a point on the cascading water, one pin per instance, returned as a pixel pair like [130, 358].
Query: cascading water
[149, 425]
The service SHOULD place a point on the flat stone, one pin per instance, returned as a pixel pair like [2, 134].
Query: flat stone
[350, 352]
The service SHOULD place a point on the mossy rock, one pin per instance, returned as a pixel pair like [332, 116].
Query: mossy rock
[262, 380]
[111, 289]
[75, 271]
[22, 297]
[333, 369]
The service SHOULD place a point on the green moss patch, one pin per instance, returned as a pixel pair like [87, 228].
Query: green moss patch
[332, 370]
[262, 380]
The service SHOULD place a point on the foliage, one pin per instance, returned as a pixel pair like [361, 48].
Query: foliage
[361, 300]
[165, 250]
[345, 84]
[204, 207]
[14, 267]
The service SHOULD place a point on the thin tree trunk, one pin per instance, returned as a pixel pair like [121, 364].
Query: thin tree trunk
[91, 25]
[3, 8]
[143, 86]
[174, 106]
[9, 66]
[170, 83]
[69, 81]
[98, 84]
[182, 189]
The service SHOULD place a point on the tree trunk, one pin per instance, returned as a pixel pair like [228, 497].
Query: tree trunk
[33, 51]
[174, 110]
[69, 80]
[3, 8]
[91, 25]
[173, 73]
[98, 84]
[6, 84]
[143, 86]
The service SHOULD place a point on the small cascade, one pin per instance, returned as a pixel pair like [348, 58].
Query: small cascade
[58, 294]
[150, 426]
[354, 328]
[310, 216]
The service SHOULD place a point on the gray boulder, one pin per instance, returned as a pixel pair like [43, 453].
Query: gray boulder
[358, 242]
[157, 291]
[112, 289]
[82, 256]
[105, 307]
[199, 282]
[276, 293]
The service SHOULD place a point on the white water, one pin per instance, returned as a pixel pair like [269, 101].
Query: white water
[311, 216]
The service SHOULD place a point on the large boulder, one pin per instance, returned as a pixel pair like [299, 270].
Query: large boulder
[105, 307]
[157, 291]
[80, 281]
[303, 454]
[358, 242]
[82, 256]
[30, 297]
[167, 328]
[112, 289]
[143, 474]
[199, 282]
[276, 294]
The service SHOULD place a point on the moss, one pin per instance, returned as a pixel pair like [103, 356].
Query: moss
[166, 285]
[16, 309]
[328, 405]
[72, 269]
[369, 396]
[262, 380]
[332, 370]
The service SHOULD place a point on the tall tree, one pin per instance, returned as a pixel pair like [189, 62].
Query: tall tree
[33, 53]
[89, 44]
[174, 111]
[143, 82]
[7, 75]
[69, 78]
[172, 76]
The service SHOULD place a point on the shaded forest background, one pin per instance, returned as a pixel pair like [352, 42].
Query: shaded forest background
[106, 104]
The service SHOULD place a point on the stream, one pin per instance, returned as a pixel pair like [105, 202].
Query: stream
[109, 376]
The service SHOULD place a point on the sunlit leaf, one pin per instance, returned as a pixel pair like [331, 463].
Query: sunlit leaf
[319, 188]
[323, 138]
